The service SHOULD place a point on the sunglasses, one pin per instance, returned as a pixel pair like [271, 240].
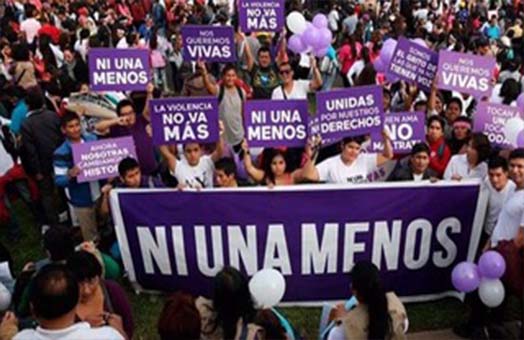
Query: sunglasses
[285, 71]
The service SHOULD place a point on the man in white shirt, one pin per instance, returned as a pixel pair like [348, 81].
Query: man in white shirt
[194, 169]
[296, 89]
[510, 223]
[30, 26]
[53, 295]
[499, 187]
[351, 166]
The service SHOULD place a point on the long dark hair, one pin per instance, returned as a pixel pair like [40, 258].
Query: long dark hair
[231, 301]
[366, 282]
[268, 155]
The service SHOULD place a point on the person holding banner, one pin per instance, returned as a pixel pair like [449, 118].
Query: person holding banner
[194, 170]
[418, 167]
[440, 152]
[351, 166]
[471, 164]
[82, 196]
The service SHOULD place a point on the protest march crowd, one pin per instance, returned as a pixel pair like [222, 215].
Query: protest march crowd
[211, 94]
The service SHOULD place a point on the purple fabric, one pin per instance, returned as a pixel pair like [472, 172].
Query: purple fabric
[184, 120]
[99, 160]
[274, 123]
[491, 118]
[261, 15]
[143, 143]
[120, 304]
[465, 73]
[415, 241]
[112, 69]
[208, 43]
[413, 63]
[405, 130]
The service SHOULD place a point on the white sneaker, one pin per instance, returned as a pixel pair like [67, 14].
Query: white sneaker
[45, 228]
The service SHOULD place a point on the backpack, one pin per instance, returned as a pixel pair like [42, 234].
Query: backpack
[221, 92]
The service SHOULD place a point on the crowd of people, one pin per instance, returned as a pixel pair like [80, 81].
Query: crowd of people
[44, 51]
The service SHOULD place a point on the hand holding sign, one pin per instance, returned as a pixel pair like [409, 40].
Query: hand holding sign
[73, 172]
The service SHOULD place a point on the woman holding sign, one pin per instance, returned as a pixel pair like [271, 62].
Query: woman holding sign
[351, 166]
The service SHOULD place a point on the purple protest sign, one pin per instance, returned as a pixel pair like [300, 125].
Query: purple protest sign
[491, 119]
[261, 15]
[313, 234]
[208, 43]
[405, 130]
[99, 159]
[114, 69]
[272, 123]
[183, 120]
[350, 112]
[413, 63]
[465, 73]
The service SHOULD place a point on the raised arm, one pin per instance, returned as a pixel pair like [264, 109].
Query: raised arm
[169, 157]
[387, 153]
[253, 172]
[250, 59]
[211, 88]
[219, 150]
[103, 126]
[309, 170]
[149, 95]
[316, 82]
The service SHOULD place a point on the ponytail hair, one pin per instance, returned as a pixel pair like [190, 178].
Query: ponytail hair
[366, 282]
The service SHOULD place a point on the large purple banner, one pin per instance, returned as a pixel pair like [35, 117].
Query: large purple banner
[465, 73]
[273, 123]
[261, 15]
[414, 63]
[113, 69]
[208, 43]
[350, 112]
[491, 119]
[183, 120]
[99, 159]
[313, 234]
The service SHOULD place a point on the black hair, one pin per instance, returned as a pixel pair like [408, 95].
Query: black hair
[127, 164]
[68, 116]
[498, 162]
[517, 153]
[84, 265]
[480, 143]
[264, 49]
[268, 155]
[438, 119]
[53, 292]
[227, 165]
[58, 241]
[357, 139]
[365, 280]
[123, 103]
[420, 147]
[509, 91]
[35, 98]
[130, 38]
[21, 52]
[84, 33]
[228, 68]
[455, 100]
[231, 300]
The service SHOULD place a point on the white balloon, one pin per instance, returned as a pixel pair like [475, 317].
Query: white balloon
[5, 298]
[512, 128]
[296, 22]
[491, 292]
[267, 287]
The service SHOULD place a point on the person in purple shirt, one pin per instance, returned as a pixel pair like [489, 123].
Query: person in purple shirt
[128, 123]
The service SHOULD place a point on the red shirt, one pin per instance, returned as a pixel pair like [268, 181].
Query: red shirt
[51, 31]
[439, 156]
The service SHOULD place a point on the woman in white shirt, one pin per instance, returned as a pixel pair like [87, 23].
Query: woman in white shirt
[471, 164]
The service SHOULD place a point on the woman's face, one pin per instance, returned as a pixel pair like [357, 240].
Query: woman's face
[438, 104]
[472, 154]
[387, 101]
[435, 131]
[229, 78]
[460, 132]
[278, 165]
[88, 288]
[452, 112]
[350, 152]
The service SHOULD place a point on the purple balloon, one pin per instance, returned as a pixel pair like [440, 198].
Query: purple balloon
[492, 265]
[465, 277]
[325, 38]
[379, 66]
[295, 44]
[520, 100]
[520, 139]
[311, 36]
[321, 52]
[386, 52]
[320, 21]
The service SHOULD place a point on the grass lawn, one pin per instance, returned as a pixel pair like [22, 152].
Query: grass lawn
[422, 316]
